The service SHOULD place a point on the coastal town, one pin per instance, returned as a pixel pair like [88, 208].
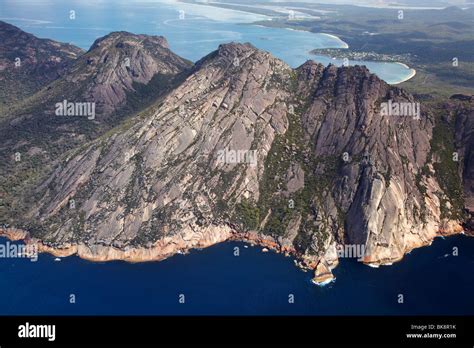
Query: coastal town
[338, 53]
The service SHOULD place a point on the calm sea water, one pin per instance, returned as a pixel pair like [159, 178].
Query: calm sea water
[215, 282]
[199, 33]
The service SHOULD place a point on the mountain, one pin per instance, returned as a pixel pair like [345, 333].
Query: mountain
[463, 123]
[27, 63]
[299, 160]
[119, 76]
[115, 66]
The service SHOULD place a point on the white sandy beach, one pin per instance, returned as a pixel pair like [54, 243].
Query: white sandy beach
[345, 45]
[410, 76]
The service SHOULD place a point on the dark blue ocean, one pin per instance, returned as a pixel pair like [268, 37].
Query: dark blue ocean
[215, 282]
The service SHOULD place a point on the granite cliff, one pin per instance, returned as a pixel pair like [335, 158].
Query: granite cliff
[119, 76]
[244, 147]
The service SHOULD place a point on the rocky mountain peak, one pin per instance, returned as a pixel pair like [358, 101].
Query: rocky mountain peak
[120, 75]
[118, 66]
[246, 147]
[109, 70]
[310, 68]
[27, 63]
[17, 43]
[118, 37]
[233, 54]
[236, 49]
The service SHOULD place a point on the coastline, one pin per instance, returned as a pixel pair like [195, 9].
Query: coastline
[409, 77]
[451, 230]
[161, 250]
[345, 45]
[168, 247]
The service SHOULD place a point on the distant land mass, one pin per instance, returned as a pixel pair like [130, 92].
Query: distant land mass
[433, 37]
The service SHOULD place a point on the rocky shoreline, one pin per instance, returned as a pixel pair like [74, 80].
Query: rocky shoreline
[168, 247]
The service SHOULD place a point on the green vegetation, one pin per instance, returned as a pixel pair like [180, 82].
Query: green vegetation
[286, 149]
[248, 214]
[144, 95]
[291, 149]
[447, 169]
[441, 80]
[57, 138]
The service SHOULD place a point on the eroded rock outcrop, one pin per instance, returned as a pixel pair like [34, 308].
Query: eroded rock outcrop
[463, 109]
[298, 160]
[94, 92]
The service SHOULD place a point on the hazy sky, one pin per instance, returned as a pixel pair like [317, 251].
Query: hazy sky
[426, 3]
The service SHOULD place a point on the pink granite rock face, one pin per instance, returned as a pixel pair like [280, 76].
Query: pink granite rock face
[244, 147]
